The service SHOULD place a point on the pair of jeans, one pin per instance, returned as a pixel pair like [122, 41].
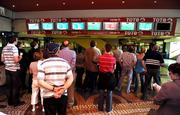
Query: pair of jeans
[53, 105]
[126, 71]
[105, 95]
[136, 84]
[13, 82]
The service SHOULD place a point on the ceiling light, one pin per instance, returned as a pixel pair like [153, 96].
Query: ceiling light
[92, 2]
[37, 4]
[123, 1]
[155, 1]
[63, 3]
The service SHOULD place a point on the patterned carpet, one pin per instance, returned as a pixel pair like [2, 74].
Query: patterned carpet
[86, 104]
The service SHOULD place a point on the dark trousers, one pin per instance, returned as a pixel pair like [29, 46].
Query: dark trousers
[55, 105]
[13, 87]
[155, 73]
[80, 72]
[117, 72]
[90, 80]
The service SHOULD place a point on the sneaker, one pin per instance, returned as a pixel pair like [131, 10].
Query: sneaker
[33, 109]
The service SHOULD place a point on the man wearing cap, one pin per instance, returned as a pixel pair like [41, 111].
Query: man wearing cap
[55, 76]
[70, 57]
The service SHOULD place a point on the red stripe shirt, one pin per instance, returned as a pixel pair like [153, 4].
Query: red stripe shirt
[106, 63]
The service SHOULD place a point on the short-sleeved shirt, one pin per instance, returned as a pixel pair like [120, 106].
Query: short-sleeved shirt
[54, 71]
[8, 54]
[153, 59]
[106, 63]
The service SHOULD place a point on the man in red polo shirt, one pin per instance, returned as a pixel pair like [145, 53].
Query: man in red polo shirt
[106, 83]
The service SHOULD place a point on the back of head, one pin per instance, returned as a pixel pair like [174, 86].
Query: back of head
[52, 48]
[92, 43]
[108, 47]
[12, 39]
[143, 50]
[65, 43]
[155, 48]
[33, 44]
[175, 68]
[131, 49]
[38, 55]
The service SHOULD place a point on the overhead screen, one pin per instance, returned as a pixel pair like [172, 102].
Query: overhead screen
[93, 25]
[145, 26]
[110, 25]
[48, 26]
[62, 26]
[78, 26]
[127, 26]
[163, 26]
[33, 26]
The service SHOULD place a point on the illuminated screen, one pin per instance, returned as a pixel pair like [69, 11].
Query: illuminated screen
[78, 26]
[110, 25]
[163, 27]
[33, 26]
[145, 26]
[48, 26]
[94, 25]
[62, 26]
[127, 26]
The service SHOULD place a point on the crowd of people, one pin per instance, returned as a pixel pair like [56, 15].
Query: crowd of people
[57, 71]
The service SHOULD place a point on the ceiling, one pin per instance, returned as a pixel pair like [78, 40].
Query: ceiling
[47, 5]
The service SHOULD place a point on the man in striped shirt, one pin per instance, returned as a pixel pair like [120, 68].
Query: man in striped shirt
[11, 58]
[55, 75]
[153, 61]
[107, 65]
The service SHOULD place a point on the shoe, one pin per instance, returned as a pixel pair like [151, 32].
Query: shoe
[110, 111]
[33, 109]
[19, 104]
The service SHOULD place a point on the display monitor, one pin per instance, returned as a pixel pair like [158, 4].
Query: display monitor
[93, 25]
[127, 26]
[163, 26]
[47, 25]
[110, 25]
[62, 26]
[78, 26]
[145, 26]
[33, 26]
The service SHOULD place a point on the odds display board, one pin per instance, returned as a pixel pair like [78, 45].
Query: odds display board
[130, 26]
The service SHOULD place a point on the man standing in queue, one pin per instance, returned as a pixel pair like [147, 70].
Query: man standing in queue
[10, 57]
[55, 76]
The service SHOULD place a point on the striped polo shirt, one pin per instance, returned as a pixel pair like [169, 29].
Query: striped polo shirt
[153, 60]
[54, 71]
[106, 63]
[8, 54]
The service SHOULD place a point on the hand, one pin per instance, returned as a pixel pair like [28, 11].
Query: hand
[58, 91]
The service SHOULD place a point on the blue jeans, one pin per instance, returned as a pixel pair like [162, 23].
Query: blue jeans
[136, 84]
[102, 95]
[126, 71]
